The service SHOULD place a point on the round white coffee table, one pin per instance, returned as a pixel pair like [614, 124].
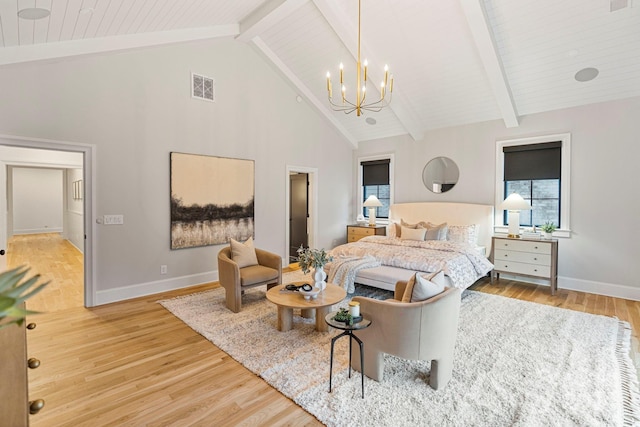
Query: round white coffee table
[319, 307]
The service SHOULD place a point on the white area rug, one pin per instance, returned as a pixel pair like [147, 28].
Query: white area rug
[516, 363]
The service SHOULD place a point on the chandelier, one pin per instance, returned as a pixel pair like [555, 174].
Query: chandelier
[386, 87]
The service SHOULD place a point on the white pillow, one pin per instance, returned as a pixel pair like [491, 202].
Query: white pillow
[422, 286]
[243, 254]
[463, 234]
[412, 233]
[427, 286]
[391, 230]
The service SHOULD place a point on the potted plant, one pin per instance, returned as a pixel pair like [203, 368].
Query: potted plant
[14, 292]
[548, 228]
[314, 258]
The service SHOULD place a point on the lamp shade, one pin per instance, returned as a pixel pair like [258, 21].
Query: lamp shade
[515, 202]
[372, 202]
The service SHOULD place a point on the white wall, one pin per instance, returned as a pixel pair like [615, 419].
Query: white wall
[602, 254]
[37, 200]
[135, 107]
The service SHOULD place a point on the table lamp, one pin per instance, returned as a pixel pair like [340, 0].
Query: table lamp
[514, 204]
[372, 203]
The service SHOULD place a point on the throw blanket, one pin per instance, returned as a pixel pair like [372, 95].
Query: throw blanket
[344, 269]
[461, 262]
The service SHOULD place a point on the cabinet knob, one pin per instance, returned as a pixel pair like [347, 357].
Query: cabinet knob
[33, 363]
[35, 406]
[535, 247]
[31, 326]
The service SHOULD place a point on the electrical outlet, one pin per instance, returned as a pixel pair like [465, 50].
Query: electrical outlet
[163, 269]
[113, 219]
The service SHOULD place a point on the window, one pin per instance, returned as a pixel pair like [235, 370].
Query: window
[375, 179]
[538, 169]
[534, 172]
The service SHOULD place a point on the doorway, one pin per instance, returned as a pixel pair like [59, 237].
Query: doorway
[75, 161]
[301, 209]
[298, 214]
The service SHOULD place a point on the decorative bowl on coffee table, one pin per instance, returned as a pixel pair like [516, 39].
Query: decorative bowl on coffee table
[312, 294]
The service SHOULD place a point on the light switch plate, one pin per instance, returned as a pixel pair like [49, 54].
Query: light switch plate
[113, 219]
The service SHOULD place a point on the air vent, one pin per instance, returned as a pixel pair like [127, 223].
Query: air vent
[202, 87]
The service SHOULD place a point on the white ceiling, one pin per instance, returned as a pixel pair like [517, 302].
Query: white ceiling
[455, 62]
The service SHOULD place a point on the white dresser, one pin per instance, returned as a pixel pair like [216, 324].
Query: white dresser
[525, 257]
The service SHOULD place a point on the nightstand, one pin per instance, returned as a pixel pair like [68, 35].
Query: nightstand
[356, 232]
[525, 257]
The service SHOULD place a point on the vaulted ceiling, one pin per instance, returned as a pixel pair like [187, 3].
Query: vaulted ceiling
[454, 62]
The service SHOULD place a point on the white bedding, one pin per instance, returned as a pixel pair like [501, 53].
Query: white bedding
[462, 263]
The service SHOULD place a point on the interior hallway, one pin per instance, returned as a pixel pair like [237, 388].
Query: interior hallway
[57, 261]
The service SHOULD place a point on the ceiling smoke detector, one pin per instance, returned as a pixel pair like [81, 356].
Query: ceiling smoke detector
[33, 13]
[371, 120]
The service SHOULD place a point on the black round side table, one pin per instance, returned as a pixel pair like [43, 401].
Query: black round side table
[348, 331]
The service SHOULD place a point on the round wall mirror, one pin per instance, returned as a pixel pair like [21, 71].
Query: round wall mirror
[440, 174]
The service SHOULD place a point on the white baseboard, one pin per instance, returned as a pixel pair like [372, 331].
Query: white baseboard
[38, 230]
[600, 288]
[588, 286]
[149, 288]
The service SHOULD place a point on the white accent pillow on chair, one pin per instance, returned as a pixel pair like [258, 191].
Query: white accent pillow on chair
[424, 286]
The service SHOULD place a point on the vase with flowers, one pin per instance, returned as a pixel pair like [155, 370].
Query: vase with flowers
[314, 258]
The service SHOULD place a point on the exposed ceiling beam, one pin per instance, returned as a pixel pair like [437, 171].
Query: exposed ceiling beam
[346, 31]
[38, 52]
[266, 16]
[485, 43]
[303, 89]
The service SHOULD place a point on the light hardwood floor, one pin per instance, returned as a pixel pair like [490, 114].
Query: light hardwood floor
[133, 363]
[57, 261]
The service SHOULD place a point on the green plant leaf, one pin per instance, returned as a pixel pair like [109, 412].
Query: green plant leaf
[6, 303]
[14, 292]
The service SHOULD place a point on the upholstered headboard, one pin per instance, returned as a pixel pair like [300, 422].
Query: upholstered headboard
[451, 213]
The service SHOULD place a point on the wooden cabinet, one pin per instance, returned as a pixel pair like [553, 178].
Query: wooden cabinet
[525, 257]
[14, 396]
[357, 232]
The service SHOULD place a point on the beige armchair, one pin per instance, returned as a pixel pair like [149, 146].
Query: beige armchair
[423, 330]
[235, 280]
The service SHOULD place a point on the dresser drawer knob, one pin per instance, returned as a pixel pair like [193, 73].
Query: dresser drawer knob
[33, 363]
[31, 326]
[35, 406]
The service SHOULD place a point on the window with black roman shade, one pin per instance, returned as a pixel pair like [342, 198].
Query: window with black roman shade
[534, 171]
[533, 161]
[375, 180]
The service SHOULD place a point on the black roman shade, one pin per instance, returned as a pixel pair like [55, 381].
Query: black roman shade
[375, 172]
[532, 161]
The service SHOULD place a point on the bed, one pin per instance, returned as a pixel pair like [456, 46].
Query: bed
[380, 261]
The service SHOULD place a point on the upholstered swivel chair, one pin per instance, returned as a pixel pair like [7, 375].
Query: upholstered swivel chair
[235, 280]
[424, 330]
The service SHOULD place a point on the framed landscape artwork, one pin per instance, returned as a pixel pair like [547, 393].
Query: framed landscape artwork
[212, 200]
